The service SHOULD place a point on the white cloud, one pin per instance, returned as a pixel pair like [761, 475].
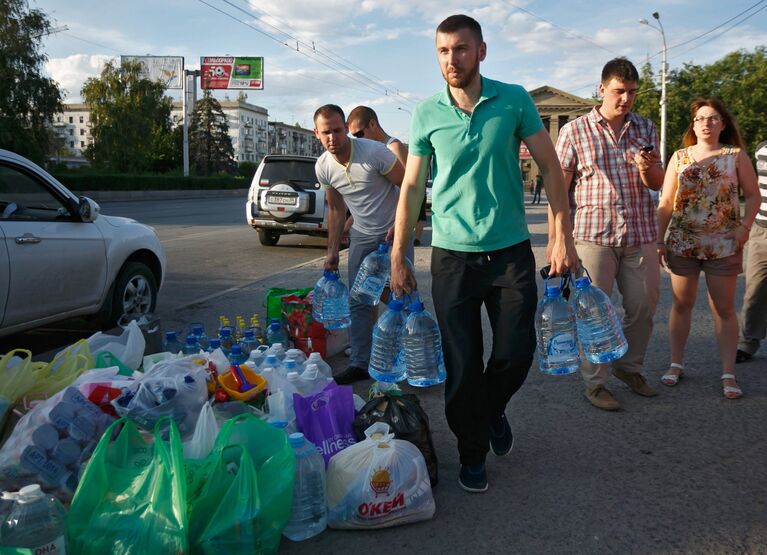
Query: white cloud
[71, 72]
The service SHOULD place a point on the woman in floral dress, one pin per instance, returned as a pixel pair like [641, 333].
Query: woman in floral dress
[699, 208]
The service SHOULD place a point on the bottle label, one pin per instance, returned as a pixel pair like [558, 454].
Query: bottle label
[562, 347]
[56, 547]
[371, 285]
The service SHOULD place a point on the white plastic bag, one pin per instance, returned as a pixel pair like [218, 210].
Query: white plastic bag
[202, 441]
[377, 483]
[127, 347]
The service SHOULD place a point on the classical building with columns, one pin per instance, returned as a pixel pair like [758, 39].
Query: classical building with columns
[556, 108]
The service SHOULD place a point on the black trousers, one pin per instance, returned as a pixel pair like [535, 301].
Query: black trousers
[504, 281]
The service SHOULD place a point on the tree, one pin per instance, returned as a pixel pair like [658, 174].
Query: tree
[130, 117]
[210, 147]
[647, 102]
[28, 99]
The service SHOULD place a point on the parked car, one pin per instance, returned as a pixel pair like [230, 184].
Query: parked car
[60, 258]
[285, 197]
[428, 193]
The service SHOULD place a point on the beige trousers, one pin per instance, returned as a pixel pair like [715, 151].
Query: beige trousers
[637, 273]
[753, 316]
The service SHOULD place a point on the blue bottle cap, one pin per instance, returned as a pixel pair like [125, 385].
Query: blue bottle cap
[396, 305]
[170, 335]
[296, 440]
[226, 332]
[191, 339]
[553, 291]
[383, 248]
[236, 349]
[331, 276]
[250, 334]
[215, 342]
[197, 329]
[416, 306]
[582, 283]
[275, 325]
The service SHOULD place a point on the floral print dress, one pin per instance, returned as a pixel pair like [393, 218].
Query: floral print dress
[706, 209]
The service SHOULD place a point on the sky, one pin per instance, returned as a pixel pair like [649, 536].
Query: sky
[381, 53]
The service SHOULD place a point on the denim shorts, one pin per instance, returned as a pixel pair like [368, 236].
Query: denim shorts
[685, 266]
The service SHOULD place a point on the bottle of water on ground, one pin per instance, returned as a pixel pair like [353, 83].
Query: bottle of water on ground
[276, 334]
[334, 302]
[599, 329]
[556, 334]
[192, 346]
[323, 367]
[171, 343]
[387, 361]
[297, 355]
[213, 344]
[309, 510]
[312, 380]
[422, 344]
[226, 337]
[35, 524]
[198, 330]
[371, 276]
[249, 341]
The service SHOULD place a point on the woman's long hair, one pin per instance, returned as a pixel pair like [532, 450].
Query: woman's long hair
[729, 135]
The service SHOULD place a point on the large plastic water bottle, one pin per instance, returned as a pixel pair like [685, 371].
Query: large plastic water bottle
[35, 524]
[422, 343]
[277, 350]
[597, 321]
[289, 365]
[311, 381]
[297, 355]
[556, 334]
[171, 343]
[323, 367]
[334, 302]
[275, 333]
[371, 277]
[308, 515]
[387, 361]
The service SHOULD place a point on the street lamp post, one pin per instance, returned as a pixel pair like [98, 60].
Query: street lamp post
[663, 74]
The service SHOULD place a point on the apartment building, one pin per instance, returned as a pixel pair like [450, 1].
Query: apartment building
[73, 129]
[292, 139]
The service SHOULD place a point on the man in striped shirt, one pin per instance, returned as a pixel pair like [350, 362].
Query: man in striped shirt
[753, 325]
[610, 161]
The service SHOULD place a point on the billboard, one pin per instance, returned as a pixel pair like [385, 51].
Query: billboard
[168, 69]
[524, 154]
[230, 72]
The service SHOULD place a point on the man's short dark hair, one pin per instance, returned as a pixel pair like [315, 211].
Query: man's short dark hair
[327, 111]
[621, 69]
[455, 23]
[362, 114]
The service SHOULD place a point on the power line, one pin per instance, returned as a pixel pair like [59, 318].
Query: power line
[720, 25]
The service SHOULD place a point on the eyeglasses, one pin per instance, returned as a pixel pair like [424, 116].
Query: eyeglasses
[710, 119]
[359, 134]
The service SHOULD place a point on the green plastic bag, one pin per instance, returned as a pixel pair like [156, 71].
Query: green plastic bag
[273, 300]
[246, 511]
[132, 496]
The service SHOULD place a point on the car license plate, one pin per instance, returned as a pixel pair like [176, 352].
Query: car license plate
[272, 199]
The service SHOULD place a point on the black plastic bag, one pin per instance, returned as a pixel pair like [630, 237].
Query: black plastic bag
[408, 421]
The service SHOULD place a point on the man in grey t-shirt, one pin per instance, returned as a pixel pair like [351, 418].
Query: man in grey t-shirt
[364, 176]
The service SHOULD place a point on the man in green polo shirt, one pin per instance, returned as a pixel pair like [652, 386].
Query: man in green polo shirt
[481, 246]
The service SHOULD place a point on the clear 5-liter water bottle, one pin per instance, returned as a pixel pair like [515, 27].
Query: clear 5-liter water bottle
[556, 334]
[422, 344]
[35, 524]
[308, 516]
[599, 329]
[371, 277]
[323, 367]
[387, 361]
[297, 355]
[171, 343]
[334, 303]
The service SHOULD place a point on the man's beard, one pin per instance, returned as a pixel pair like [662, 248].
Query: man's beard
[464, 78]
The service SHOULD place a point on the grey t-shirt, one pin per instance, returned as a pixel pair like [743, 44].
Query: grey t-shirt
[370, 197]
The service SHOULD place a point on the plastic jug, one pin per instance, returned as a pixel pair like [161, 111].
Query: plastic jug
[387, 360]
[372, 276]
[35, 524]
[599, 329]
[422, 343]
[556, 334]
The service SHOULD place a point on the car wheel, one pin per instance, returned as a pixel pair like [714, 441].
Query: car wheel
[268, 238]
[134, 293]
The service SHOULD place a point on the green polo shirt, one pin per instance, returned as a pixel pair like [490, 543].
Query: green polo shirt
[477, 193]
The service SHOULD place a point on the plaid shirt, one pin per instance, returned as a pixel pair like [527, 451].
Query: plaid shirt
[612, 206]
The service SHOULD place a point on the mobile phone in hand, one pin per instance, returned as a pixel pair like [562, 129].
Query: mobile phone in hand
[647, 148]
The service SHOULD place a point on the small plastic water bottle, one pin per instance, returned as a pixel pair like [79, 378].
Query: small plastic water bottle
[191, 347]
[323, 367]
[371, 277]
[556, 334]
[422, 343]
[249, 341]
[213, 344]
[227, 339]
[35, 524]
[171, 343]
[308, 515]
[275, 333]
[387, 360]
[599, 329]
[334, 302]
[198, 330]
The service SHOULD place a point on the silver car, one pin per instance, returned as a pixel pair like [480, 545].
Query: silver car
[60, 258]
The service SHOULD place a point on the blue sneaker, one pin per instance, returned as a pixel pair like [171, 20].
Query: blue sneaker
[473, 478]
[501, 438]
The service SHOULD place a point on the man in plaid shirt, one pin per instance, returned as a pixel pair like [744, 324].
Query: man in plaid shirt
[610, 161]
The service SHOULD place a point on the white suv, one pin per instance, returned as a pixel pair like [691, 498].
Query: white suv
[59, 258]
[285, 197]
